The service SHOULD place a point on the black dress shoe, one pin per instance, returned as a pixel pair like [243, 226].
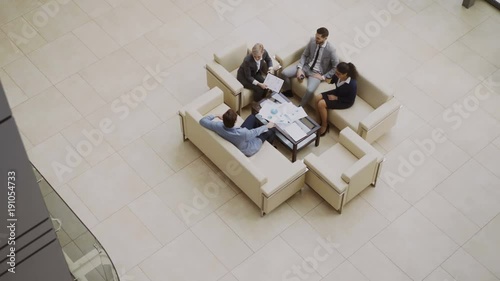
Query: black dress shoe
[288, 93]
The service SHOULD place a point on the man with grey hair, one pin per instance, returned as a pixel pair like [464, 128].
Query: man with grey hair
[250, 71]
[317, 63]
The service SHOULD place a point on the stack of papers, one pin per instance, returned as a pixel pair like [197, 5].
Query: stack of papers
[295, 131]
[281, 113]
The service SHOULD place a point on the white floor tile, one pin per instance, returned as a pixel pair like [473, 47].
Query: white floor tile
[359, 223]
[309, 244]
[127, 22]
[57, 160]
[96, 39]
[23, 35]
[441, 83]
[88, 141]
[447, 218]
[385, 200]
[463, 266]
[15, 95]
[157, 217]
[144, 160]
[44, 115]
[115, 75]
[56, 18]
[485, 246]
[80, 94]
[414, 244]
[27, 76]
[483, 40]
[104, 195]
[9, 52]
[373, 263]
[123, 122]
[345, 272]
[284, 260]
[184, 259]
[131, 230]
[63, 57]
[185, 45]
[222, 241]
[243, 216]
[474, 191]
[194, 192]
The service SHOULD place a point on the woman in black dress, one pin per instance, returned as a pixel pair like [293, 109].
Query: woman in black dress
[341, 97]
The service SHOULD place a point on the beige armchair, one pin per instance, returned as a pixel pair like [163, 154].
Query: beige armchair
[374, 112]
[344, 170]
[222, 71]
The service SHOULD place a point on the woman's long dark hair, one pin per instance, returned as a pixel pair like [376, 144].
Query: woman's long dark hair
[348, 68]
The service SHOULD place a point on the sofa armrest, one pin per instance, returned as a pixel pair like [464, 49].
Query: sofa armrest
[225, 77]
[204, 103]
[294, 171]
[380, 114]
[356, 144]
[321, 168]
[289, 54]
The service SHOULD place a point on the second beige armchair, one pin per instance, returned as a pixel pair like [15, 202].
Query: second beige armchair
[344, 170]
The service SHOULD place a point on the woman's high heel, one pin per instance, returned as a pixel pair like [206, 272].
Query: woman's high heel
[326, 131]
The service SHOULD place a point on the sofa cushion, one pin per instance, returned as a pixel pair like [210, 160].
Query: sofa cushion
[231, 57]
[274, 166]
[350, 117]
[339, 159]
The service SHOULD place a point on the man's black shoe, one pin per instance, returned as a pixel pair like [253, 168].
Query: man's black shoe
[288, 93]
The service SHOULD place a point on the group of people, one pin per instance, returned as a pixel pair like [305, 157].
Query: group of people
[319, 62]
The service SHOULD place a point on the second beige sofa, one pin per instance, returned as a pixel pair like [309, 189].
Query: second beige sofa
[268, 178]
[373, 114]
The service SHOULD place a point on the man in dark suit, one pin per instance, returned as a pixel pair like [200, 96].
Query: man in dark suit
[317, 63]
[249, 73]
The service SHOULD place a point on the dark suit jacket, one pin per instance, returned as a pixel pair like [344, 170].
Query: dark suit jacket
[346, 93]
[248, 69]
[329, 59]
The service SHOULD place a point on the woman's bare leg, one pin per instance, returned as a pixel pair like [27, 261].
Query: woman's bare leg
[323, 115]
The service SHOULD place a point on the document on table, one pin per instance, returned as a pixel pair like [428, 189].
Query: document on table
[273, 82]
[279, 98]
[295, 131]
[293, 112]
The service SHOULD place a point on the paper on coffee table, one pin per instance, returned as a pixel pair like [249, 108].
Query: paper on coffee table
[273, 112]
[295, 131]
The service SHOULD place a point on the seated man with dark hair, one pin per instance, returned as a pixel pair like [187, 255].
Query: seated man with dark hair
[248, 138]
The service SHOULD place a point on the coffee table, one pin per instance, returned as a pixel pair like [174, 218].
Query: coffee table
[307, 124]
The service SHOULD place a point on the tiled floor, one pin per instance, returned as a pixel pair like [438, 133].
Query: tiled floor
[95, 86]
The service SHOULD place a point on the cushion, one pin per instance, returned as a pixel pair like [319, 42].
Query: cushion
[339, 159]
[267, 159]
[350, 117]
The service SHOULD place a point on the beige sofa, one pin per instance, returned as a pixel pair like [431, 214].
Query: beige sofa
[373, 114]
[222, 71]
[268, 178]
[344, 170]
